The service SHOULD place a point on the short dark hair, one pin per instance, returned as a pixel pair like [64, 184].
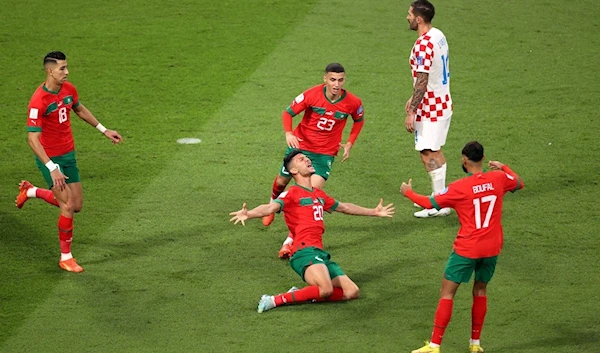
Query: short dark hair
[335, 67]
[54, 56]
[424, 9]
[473, 151]
[287, 160]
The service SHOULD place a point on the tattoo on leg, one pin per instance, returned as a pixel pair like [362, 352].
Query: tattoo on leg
[432, 165]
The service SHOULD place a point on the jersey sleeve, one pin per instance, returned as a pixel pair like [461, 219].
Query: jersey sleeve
[359, 114]
[298, 105]
[511, 181]
[35, 111]
[329, 203]
[423, 53]
[284, 199]
[75, 98]
[447, 198]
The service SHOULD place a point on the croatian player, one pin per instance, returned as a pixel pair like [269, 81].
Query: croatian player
[327, 107]
[51, 140]
[477, 200]
[303, 206]
[429, 109]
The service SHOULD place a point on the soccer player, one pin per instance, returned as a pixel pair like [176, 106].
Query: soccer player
[326, 109]
[51, 139]
[477, 200]
[429, 109]
[303, 206]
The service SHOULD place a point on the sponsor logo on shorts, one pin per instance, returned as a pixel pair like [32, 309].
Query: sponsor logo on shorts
[318, 258]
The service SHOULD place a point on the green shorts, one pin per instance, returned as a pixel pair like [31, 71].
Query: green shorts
[312, 256]
[321, 162]
[67, 164]
[459, 268]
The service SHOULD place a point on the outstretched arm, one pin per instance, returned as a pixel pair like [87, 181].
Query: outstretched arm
[356, 210]
[260, 211]
[421, 200]
[89, 118]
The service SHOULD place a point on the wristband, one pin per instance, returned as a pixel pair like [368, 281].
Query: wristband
[101, 128]
[51, 166]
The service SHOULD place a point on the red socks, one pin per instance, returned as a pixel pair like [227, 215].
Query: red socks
[46, 195]
[307, 294]
[441, 320]
[478, 316]
[65, 233]
[336, 296]
[277, 189]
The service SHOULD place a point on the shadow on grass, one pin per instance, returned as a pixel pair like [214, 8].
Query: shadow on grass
[29, 270]
[564, 335]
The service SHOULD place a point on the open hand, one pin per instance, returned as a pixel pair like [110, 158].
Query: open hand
[384, 211]
[240, 216]
[292, 141]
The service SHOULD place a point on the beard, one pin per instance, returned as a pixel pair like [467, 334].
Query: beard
[464, 169]
[413, 26]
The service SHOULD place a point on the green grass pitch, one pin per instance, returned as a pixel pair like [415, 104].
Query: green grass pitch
[167, 272]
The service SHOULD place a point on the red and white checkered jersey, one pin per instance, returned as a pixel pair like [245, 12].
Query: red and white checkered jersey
[430, 55]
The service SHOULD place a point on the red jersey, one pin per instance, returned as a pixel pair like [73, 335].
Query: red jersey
[303, 209]
[323, 122]
[49, 113]
[477, 200]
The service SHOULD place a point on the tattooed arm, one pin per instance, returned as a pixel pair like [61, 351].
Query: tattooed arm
[417, 97]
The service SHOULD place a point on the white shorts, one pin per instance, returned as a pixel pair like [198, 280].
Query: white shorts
[431, 135]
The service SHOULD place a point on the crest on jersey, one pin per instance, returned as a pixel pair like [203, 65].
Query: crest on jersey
[419, 60]
[33, 113]
[299, 98]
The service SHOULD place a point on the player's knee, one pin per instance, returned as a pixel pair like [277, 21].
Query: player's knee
[353, 293]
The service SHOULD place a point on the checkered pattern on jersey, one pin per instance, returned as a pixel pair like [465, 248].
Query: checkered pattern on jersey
[422, 55]
[433, 107]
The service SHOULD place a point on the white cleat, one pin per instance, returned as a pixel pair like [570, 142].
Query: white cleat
[417, 205]
[432, 212]
[267, 302]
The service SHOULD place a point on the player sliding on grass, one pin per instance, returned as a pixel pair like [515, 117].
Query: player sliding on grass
[51, 139]
[477, 200]
[326, 109]
[303, 206]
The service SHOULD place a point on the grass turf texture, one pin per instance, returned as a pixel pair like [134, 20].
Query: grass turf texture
[166, 272]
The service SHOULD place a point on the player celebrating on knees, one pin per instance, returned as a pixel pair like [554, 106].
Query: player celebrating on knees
[477, 200]
[51, 139]
[326, 109]
[429, 109]
[303, 206]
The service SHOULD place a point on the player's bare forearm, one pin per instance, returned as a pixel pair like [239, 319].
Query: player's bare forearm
[33, 138]
[419, 90]
[85, 115]
[264, 210]
[355, 210]
[379, 211]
